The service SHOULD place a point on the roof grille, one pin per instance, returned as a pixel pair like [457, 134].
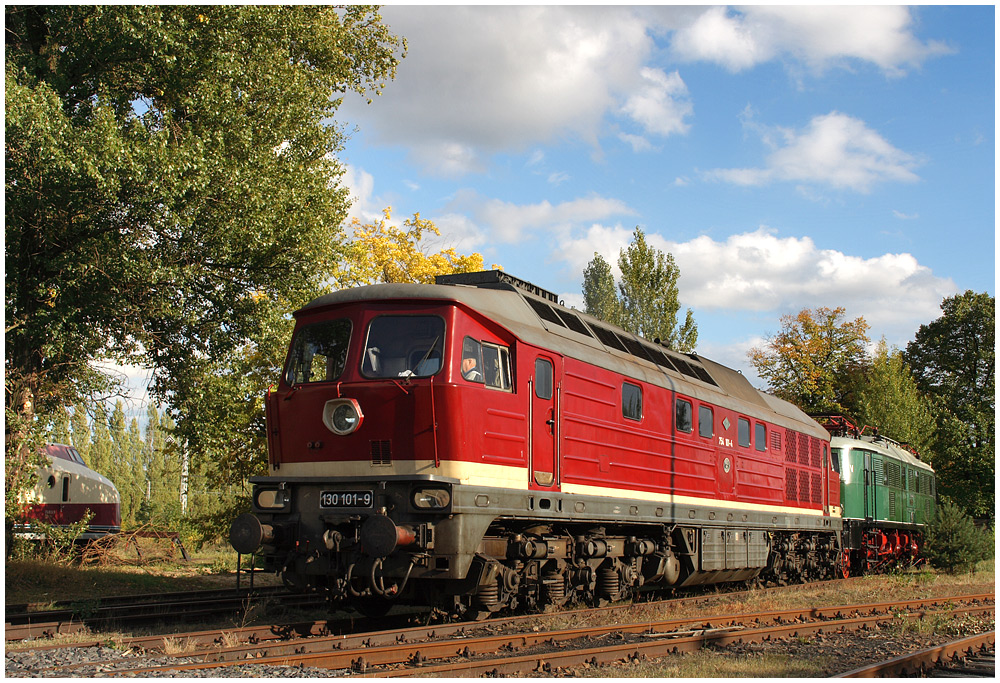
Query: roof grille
[495, 279]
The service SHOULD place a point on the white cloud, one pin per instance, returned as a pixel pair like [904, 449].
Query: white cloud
[481, 79]
[721, 37]
[661, 103]
[817, 36]
[506, 222]
[833, 149]
[361, 185]
[761, 272]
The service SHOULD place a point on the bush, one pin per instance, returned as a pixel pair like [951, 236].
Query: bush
[953, 543]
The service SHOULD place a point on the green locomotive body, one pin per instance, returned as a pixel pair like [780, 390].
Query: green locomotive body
[887, 496]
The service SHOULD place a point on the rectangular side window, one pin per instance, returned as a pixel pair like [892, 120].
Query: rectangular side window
[632, 401]
[743, 431]
[684, 415]
[760, 437]
[705, 423]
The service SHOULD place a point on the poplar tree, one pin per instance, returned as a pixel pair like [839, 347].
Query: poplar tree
[600, 295]
[80, 433]
[647, 302]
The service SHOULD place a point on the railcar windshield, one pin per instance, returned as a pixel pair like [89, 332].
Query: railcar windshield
[403, 346]
[319, 352]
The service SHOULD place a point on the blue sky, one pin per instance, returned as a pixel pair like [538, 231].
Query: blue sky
[788, 157]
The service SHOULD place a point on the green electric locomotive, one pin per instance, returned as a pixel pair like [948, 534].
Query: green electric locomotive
[887, 496]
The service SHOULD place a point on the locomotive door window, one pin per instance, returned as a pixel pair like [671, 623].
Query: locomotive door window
[544, 425]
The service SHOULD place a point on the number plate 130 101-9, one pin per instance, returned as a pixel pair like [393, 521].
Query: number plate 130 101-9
[346, 499]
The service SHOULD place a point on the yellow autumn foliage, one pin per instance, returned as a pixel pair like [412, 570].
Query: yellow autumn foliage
[381, 252]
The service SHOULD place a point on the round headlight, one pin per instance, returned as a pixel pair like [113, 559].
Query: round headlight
[342, 416]
[345, 418]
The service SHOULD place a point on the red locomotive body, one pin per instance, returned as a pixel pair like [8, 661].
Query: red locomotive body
[474, 445]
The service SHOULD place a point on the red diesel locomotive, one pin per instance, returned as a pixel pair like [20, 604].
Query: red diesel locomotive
[474, 446]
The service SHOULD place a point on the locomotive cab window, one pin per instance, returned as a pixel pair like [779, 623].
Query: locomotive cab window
[632, 401]
[403, 346]
[319, 352]
[684, 416]
[496, 366]
[760, 437]
[705, 422]
[743, 432]
[471, 365]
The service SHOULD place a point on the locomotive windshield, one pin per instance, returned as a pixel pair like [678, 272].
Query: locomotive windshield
[403, 346]
[319, 352]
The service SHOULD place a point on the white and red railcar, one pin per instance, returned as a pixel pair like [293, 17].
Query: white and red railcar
[66, 491]
[475, 445]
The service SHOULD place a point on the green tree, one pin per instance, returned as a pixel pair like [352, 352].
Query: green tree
[888, 398]
[811, 361]
[647, 301]
[953, 360]
[80, 432]
[59, 429]
[600, 295]
[171, 185]
[952, 542]
[101, 453]
[161, 506]
[126, 464]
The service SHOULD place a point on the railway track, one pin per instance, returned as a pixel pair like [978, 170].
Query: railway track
[469, 649]
[972, 657]
[22, 622]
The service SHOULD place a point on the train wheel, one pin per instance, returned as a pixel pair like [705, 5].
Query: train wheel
[845, 563]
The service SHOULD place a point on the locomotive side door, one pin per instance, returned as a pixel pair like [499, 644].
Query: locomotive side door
[869, 487]
[544, 390]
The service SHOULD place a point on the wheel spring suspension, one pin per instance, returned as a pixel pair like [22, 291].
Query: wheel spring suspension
[488, 596]
[555, 587]
[608, 583]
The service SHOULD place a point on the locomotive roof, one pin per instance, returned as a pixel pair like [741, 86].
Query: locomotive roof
[533, 315]
[886, 447]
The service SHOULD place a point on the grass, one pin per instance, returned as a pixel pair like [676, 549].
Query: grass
[711, 664]
[121, 572]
